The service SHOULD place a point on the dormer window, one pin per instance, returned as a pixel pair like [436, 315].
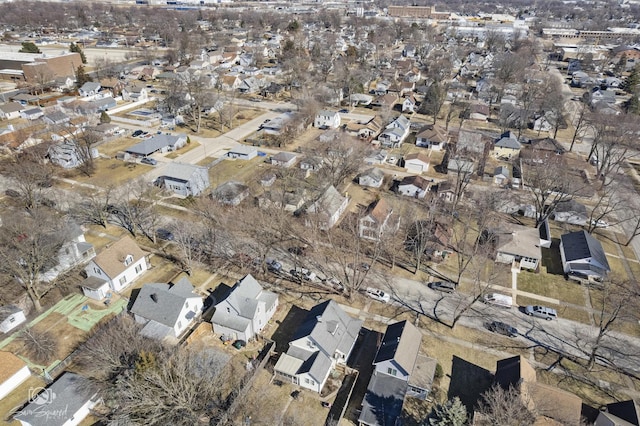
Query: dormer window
[128, 260]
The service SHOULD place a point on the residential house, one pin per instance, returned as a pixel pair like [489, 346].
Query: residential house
[32, 113]
[114, 85]
[13, 373]
[395, 133]
[501, 175]
[284, 159]
[438, 235]
[376, 158]
[90, 88]
[289, 201]
[386, 101]
[327, 119]
[417, 162]
[135, 93]
[11, 316]
[366, 130]
[414, 186]
[311, 164]
[372, 178]
[400, 371]
[230, 82]
[446, 191]
[244, 311]
[268, 179]
[184, 179]
[623, 413]
[434, 137]
[94, 106]
[516, 243]
[166, 310]
[553, 405]
[63, 84]
[75, 251]
[409, 104]
[377, 220]
[230, 193]
[571, 211]
[541, 151]
[582, 254]
[11, 110]
[68, 155]
[157, 143]
[66, 402]
[328, 208]
[57, 118]
[242, 152]
[507, 146]
[325, 338]
[119, 264]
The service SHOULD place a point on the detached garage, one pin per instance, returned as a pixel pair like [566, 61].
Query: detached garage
[416, 163]
[13, 371]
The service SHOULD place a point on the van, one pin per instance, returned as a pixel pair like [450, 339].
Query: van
[445, 286]
[498, 299]
[541, 312]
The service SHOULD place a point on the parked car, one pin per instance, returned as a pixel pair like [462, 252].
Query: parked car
[502, 328]
[334, 283]
[541, 312]
[136, 133]
[239, 344]
[445, 286]
[297, 250]
[273, 265]
[344, 111]
[164, 234]
[303, 273]
[377, 294]
[149, 161]
[12, 193]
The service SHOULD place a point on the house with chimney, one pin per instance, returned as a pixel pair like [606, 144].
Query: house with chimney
[119, 264]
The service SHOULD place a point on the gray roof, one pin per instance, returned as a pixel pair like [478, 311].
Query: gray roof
[89, 86]
[284, 157]
[581, 245]
[161, 302]
[382, 403]
[183, 172]
[229, 190]
[373, 173]
[156, 143]
[11, 107]
[57, 116]
[329, 202]
[32, 111]
[508, 140]
[93, 283]
[401, 343]
[244, 297]
[7, 311]
[502, 170]
[470, 141]
[330, 327]
[63, 399]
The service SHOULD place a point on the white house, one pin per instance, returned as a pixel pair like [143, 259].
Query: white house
[284, 159]
[416, 163]
[414, 186]
[517, 243]
[328, 208]
[409, 104]
[166, 310]
[434, 137]
[73, 252]
[324, 118]
[67, 402]
[395, 133]
[245, 311]
[324, 339]
[372, 178]
[67, 154]
[13, 373]
[11, 316]
[242, 152]
[184, 179]
[90, 88]
[10, 110]
[95, 288]
[582, 254]
[119, 264]
[32, 113]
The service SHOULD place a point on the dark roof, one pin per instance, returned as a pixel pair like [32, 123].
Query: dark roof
[581, 245]
[545, 232]
[382, 403]
[61, 401]
[625, 410]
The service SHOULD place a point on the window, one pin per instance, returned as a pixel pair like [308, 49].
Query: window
[306, 380]
[128, 260]
[138, 269]
[123, 280]
[186, 305]
[179, 324]
[392, 371]
[12, 319]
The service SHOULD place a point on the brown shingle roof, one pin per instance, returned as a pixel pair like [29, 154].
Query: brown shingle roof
[381, 210]
[111, 260]
[417, 156]
[9, 365]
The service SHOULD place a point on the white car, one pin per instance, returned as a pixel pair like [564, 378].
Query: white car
[377, 294]
[600, 223]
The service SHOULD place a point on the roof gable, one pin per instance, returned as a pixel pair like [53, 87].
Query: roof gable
[112, 259]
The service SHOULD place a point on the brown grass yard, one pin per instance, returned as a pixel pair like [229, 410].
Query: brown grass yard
[238, 170]
[16, 399]
[110, 172]
[551, 285]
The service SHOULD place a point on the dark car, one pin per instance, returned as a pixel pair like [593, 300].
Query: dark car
[239, 344]
[136, 133]
[164, 234]
[344, 111]
[502, 328]
[298, 250]
[149, 161]
[274, 265]
[446, 286]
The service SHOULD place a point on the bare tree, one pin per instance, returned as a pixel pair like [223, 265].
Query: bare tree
[580, 123]
[42, 346]
[135, 209]
[29, 247]
[342, 159]
[30, 174]
[503, 407]
[94, 207]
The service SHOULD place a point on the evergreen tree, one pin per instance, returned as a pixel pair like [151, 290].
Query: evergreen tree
[81, 76]
[76, 49]
[104, 117]
[631, 84]
[29, 47]
[451, 413]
